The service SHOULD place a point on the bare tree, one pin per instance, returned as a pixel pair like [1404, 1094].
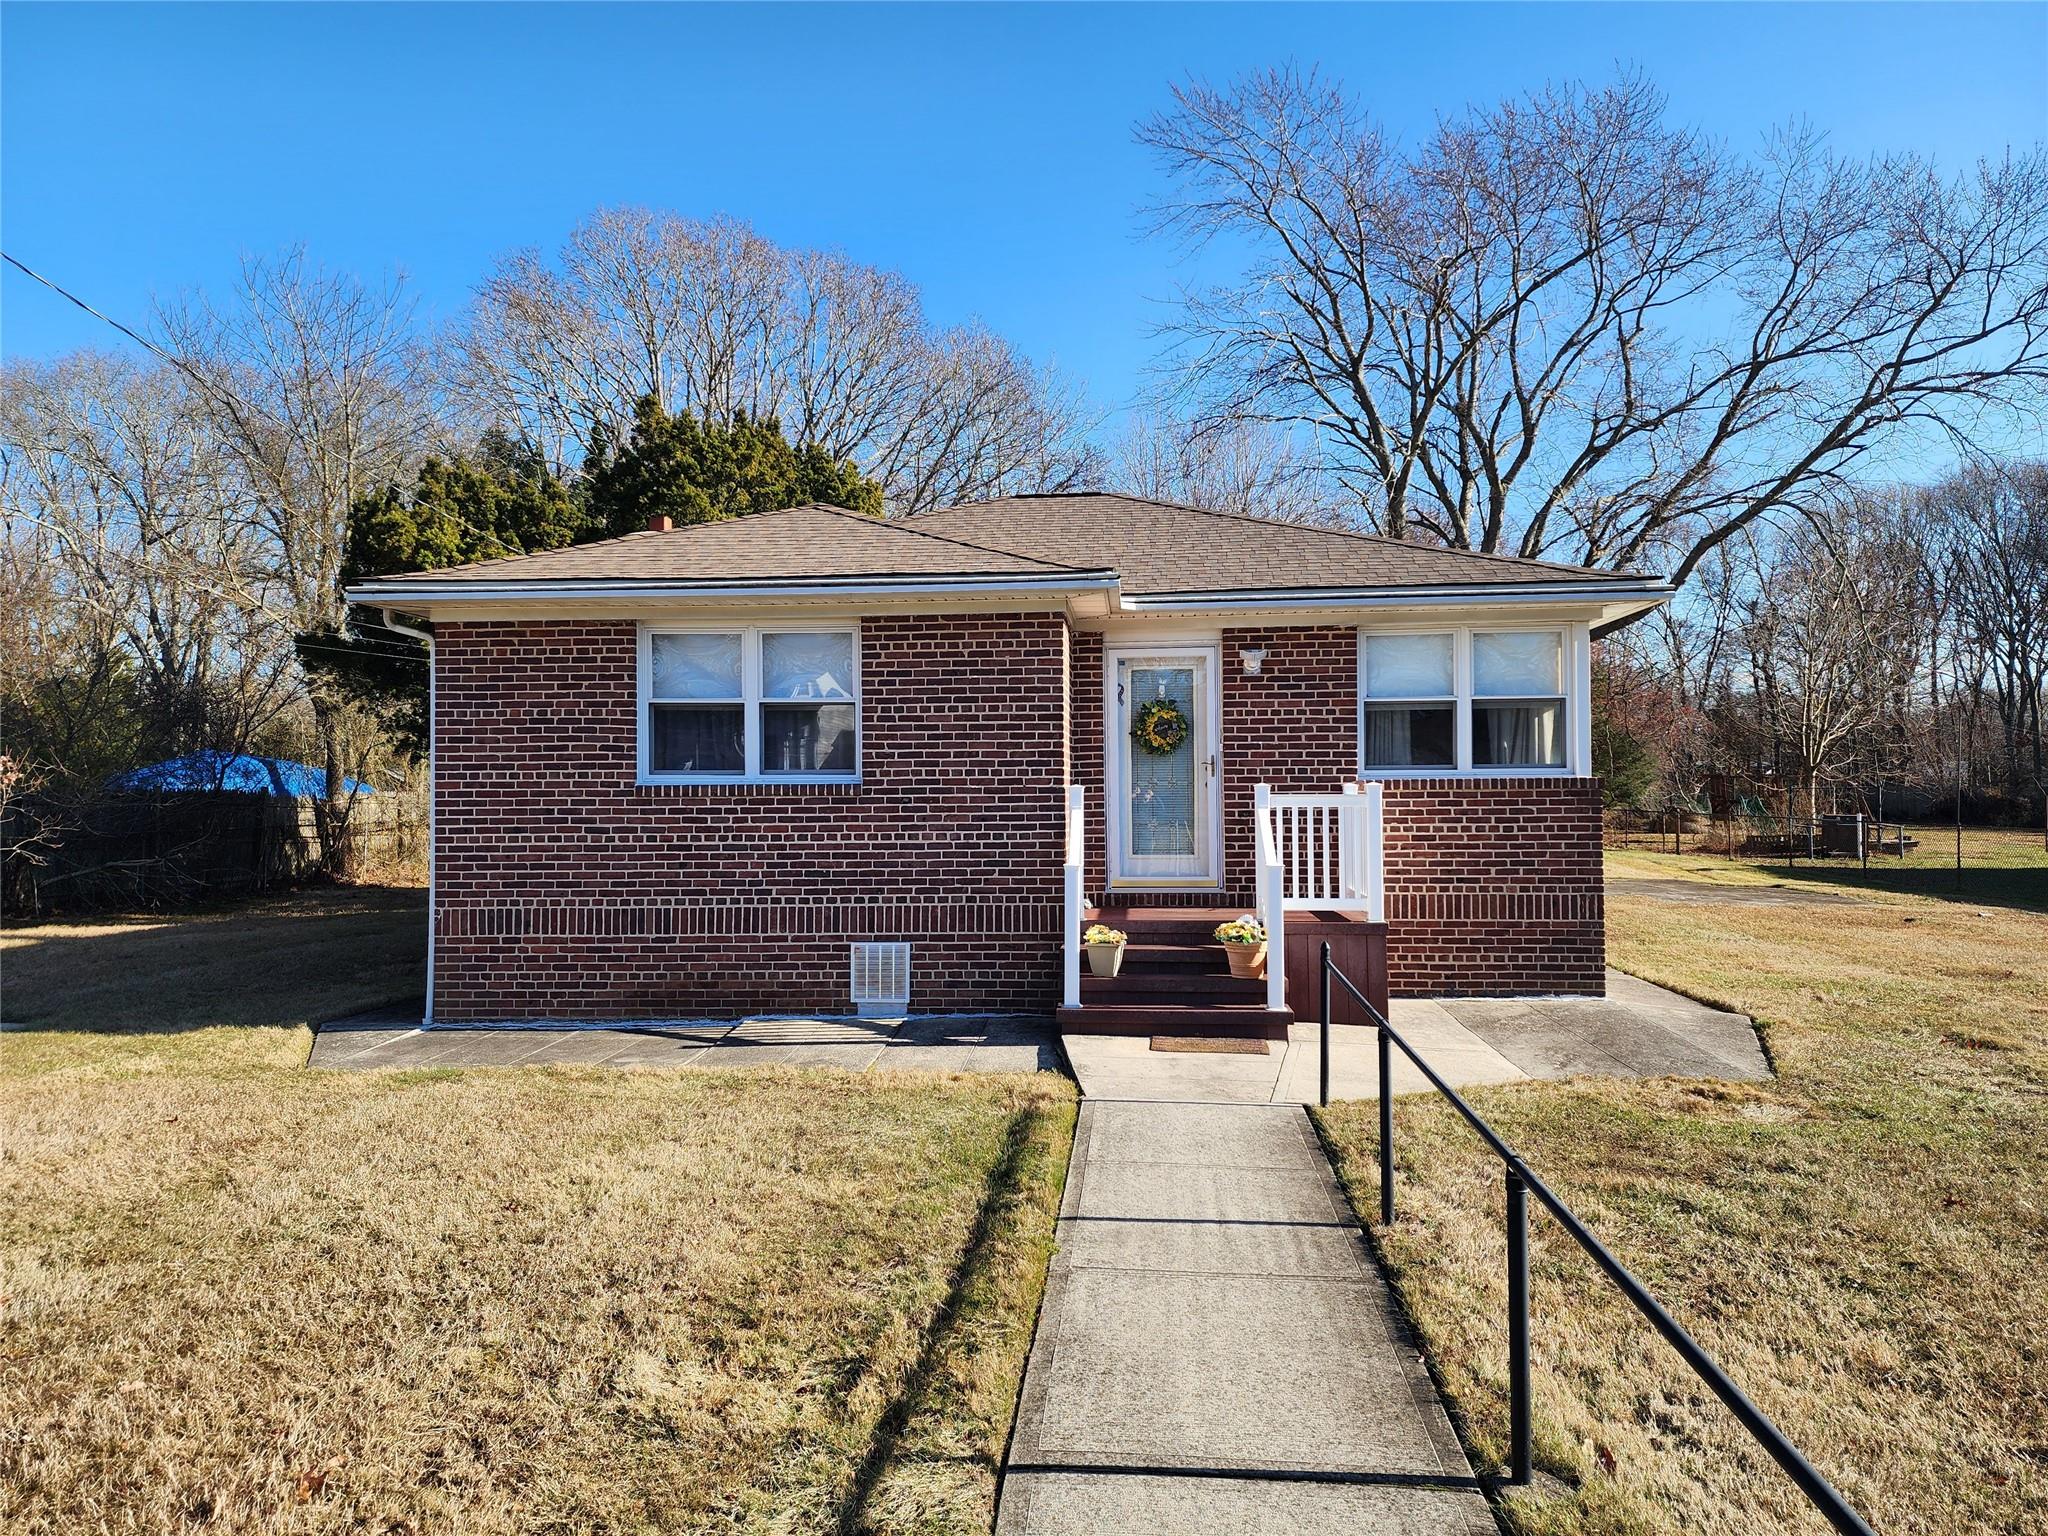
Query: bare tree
[1563, 324]
[982, 421]
[310, 384]
[1832, 620]
[711, 317]
[1247, 467]
[1992, 525]
[111, 463]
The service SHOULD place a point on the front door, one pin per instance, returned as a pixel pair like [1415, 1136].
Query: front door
[1163, 800]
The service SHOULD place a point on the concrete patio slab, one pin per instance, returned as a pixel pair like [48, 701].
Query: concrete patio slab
[993, 1043]
[1637, 1030]
[1706, 892]
[1216, 1352]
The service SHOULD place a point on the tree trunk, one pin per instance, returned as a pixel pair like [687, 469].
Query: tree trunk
[331, 807]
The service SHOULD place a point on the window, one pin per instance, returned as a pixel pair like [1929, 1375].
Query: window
[751, 703]
[1466, 701]
[1411, 702]
[1518, 700]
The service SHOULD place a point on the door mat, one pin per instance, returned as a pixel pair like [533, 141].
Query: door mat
[1214, 1045]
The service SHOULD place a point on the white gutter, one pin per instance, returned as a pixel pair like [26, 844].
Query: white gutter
[1393, 597]
[426, 637]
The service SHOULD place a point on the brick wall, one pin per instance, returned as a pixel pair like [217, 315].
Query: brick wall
[1493, 885]
[1290, 727]
[565, 889]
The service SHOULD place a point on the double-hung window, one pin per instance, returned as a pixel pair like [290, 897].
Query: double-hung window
[1518, 717]
[1411, 702]
[755, 702]
[1463, 701]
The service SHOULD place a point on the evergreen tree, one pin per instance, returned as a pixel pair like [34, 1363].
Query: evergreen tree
[500, 500]
[696, 471]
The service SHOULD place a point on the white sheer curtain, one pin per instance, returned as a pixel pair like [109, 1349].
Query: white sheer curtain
[1410, 691]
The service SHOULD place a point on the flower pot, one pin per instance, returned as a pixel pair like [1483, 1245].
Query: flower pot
[1246, 959]
[1105, 959]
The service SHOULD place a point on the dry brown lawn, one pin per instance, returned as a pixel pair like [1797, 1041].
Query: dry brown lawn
[1863, 1243]
[236, 1295]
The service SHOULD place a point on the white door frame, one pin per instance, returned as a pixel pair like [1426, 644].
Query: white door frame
[1115, 744]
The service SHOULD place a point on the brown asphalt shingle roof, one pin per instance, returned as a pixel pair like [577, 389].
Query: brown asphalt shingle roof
[803, 543]
[1160, 547]
[1155, 547]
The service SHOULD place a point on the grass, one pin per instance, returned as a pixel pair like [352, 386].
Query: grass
[242, 1296]
[2001, 867]
[1863, 1244]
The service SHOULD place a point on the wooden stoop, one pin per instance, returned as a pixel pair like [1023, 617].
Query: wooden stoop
[1176, 981]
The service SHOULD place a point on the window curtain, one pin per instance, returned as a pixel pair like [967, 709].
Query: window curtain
[1520, 735]
[1389, 736]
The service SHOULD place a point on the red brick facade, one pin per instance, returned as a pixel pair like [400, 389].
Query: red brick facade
[1493, 885]
[566, 889]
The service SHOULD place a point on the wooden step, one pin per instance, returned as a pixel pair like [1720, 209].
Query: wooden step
[1172, 986]
[1166, 925]
[1228, 1021]
[1176, 957]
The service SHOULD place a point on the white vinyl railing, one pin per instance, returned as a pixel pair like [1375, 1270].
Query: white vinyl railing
[1076, 801]
[1272, 903]
[1316, 853]
[1330, 846]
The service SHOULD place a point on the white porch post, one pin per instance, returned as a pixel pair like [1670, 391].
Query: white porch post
[1272, 890]
[1077, 798]
[1375, 856]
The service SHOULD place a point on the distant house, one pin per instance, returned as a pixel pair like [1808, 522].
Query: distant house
[232, 773]
[816, 761]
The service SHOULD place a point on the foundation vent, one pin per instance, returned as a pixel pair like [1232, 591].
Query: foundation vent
[881, 979]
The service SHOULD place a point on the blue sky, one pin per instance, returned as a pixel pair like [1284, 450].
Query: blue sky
[984, 150]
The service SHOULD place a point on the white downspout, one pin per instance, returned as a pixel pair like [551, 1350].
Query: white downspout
[426, 638]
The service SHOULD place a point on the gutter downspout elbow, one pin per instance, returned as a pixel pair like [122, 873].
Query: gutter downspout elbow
[393, 622]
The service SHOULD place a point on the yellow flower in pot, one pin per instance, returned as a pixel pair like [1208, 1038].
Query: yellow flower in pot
[1105, 946]
[1244, 941]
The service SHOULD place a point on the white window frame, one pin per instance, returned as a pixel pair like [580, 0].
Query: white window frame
[1575, 675]
[750, 698]
[1459, 719]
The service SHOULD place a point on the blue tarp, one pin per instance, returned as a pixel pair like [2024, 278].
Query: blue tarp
[237, 772]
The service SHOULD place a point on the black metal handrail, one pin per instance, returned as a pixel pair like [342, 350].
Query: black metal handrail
[1521, 1182]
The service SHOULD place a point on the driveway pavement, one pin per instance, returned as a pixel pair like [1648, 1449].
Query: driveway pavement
[1707, 892]
[1217, 1352]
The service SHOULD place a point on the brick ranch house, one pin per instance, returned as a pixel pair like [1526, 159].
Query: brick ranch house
[812, 761]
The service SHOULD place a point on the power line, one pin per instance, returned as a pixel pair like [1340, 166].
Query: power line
[371, 645]
[138, 339]
[200, 379]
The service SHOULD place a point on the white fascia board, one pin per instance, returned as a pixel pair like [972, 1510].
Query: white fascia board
[1401, 597]
[1606, 606]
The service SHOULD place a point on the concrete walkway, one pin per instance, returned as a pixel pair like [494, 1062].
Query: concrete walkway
[1637, 1030]
[1217, 1352]
[991, 1043]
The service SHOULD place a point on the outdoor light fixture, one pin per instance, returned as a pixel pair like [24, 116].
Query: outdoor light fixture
[1253, 658]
